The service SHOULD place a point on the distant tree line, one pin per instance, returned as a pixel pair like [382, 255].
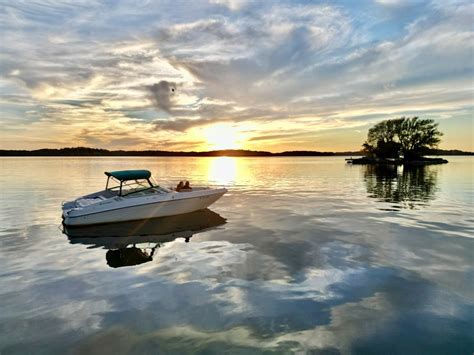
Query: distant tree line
[85, 151]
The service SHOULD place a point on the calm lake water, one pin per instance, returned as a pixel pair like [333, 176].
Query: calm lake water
[303, 255]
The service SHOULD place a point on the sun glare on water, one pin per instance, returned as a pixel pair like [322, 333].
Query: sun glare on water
[222, 170]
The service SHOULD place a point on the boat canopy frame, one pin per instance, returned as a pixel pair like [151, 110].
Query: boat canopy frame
[124, 176]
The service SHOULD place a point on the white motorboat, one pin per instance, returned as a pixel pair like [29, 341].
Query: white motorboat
[132, 195]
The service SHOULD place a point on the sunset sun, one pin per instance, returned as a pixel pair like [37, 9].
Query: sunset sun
[221, 137]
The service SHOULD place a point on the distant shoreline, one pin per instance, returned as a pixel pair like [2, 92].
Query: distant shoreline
[84, 151]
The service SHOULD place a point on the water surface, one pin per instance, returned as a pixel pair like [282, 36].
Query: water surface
[303, 255]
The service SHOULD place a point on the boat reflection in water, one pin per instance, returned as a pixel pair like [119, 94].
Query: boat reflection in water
[134, 243]
[406, 187]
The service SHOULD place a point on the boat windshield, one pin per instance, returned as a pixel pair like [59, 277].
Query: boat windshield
[129, 187]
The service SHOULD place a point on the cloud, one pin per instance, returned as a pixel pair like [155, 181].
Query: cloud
[183, 124]
[231, 4]
[271, 137]
[162, 94]
[392, 2]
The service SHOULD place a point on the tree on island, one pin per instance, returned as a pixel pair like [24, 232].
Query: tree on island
[411, 137]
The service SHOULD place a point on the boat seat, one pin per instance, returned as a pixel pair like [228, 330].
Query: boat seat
[108, 194]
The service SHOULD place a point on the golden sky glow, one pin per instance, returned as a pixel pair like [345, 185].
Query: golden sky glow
[221, 136]
[207, 75]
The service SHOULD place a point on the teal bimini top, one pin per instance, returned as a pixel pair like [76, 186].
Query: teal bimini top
[124, 175]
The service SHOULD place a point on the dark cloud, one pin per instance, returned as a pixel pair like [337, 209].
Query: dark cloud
[215, 28]
[208, 114]
[271, 137]
[162, 95]
[183, 124]
[79, 103]
[235, 36]
[176, 145]
[100, 138]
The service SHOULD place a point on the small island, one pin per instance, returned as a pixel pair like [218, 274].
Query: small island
[400, 141]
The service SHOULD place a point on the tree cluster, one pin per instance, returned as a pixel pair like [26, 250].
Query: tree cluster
[410, 137]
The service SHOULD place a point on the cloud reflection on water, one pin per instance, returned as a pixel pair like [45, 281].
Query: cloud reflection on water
[323, 269]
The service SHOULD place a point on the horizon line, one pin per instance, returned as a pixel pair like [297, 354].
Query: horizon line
[89, 151]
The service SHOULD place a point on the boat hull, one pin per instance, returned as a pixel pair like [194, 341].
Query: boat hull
[146, 210]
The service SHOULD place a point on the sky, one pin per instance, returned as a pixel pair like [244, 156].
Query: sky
[218, 74]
